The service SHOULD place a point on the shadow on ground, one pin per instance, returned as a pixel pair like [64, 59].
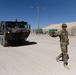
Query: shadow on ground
[22, 44]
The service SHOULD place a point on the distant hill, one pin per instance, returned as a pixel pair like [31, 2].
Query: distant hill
[71, 27]
[58, 26]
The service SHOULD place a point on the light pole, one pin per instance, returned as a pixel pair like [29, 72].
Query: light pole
[38, 17]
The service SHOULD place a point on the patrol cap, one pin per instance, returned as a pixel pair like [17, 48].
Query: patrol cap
[64, 25]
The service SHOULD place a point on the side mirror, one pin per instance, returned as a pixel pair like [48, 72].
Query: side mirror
[29, 26]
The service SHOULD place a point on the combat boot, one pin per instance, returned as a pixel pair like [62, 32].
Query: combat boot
[60, 56]
[66, 65]
[57, 59]
[67, 56]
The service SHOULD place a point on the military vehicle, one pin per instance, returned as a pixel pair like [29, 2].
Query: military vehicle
[52, 31]
[12, 31]
[39, 31]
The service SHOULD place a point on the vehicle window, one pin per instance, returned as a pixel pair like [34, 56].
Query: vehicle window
[16, 24]
[21, 25]
[11, 25]
[26, 26]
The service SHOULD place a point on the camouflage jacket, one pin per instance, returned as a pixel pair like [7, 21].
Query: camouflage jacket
[63, 35]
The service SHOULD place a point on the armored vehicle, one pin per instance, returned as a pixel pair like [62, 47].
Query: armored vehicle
[12, 31]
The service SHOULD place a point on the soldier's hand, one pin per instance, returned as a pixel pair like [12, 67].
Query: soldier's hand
[50, 34]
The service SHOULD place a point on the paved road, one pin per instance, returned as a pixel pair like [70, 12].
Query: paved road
[37, 57]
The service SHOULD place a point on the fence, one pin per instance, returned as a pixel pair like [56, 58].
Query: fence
[72, 31]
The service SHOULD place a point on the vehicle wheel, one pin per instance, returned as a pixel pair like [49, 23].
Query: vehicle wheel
[4, 42]
[1, 42]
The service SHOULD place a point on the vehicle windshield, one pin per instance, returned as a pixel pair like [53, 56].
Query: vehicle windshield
[16, 25]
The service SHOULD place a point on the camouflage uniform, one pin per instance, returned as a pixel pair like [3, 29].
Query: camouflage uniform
[64, 42]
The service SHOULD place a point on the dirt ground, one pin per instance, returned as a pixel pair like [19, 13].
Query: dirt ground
[37, 57]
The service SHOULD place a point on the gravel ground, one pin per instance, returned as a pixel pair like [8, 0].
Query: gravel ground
[37, 57]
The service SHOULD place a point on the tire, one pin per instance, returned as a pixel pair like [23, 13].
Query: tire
[4, 42]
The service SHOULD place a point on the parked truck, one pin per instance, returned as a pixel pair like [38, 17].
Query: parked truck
[12, 31]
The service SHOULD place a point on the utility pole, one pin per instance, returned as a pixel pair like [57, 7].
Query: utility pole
[38, 17]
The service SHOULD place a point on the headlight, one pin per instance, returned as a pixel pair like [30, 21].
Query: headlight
[8, 32]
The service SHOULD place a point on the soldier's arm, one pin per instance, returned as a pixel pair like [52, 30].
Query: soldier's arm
[56, 34]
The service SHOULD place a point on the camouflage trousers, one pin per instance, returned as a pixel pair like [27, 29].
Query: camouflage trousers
[64, 54]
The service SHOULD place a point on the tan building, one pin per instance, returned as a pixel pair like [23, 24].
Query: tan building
[71, 27]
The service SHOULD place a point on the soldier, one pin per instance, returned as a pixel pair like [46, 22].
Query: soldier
[64, 42]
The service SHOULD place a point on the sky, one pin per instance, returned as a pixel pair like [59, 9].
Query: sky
[50, 11]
